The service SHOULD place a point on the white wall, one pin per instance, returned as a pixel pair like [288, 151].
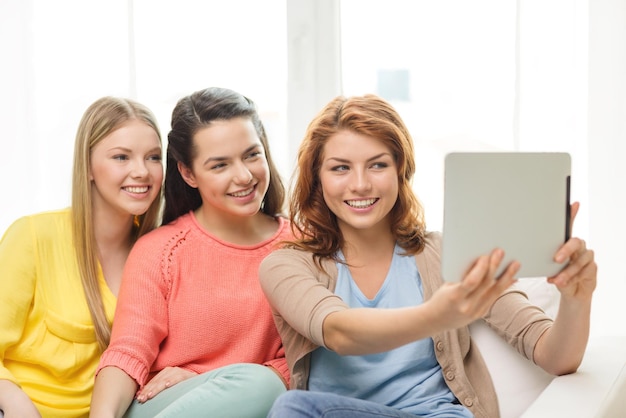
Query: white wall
[606, 137]
[59, 56]
[48, 77]
[571, 89]
[571, 96]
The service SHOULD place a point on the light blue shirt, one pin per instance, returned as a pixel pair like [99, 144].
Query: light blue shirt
[407, 378]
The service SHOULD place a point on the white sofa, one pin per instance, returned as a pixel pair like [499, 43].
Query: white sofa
[596, 390]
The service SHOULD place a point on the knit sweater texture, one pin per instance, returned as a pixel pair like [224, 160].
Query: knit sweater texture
[191, 300]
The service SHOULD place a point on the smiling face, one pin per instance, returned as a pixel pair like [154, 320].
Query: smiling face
[229, 169]
[359, 180]
[126, 171]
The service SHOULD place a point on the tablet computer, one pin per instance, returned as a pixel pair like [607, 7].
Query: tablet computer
[517, 201]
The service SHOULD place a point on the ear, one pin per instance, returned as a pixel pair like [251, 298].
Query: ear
[187, 175]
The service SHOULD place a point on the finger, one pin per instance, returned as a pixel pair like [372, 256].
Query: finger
[475, 274]
[509, 275]
[575, 267]
[569, 249]
[495, 258]
[489, 278]
[482, 298]
[503, 282]
[153, 391]
[158, 390]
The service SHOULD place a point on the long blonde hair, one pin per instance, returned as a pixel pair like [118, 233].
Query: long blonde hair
[101, 118]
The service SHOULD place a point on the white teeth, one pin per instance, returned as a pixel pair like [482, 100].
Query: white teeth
[136, 189]
[243, 193]
[360, 203]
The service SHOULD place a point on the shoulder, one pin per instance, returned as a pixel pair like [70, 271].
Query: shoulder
[49, 218]
[291, 261]
[284, 232]
[165, 238]
[44, 224]
[429, 263]
[288, 256]
[433, 238]
[432, 244]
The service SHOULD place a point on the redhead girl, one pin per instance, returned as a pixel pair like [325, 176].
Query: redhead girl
[369, 326]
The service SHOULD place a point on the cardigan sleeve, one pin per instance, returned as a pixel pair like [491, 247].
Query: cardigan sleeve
[518, 321]
[292, 283]
[141, 317]
[17, 285]
[512, 316]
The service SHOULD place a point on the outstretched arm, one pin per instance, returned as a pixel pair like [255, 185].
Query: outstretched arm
[560, 349]
[366, 331]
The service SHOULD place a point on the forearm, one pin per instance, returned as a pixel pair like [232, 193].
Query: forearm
[362, 331]
[113, 393]
[561, 348]
[15, 402]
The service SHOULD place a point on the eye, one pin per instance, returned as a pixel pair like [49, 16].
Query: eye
[380, 165]
[155, 157]
[217, 166]
[120, 157]
[342, 167]
[254, 154]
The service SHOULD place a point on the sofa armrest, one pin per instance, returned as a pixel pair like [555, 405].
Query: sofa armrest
[597, 389]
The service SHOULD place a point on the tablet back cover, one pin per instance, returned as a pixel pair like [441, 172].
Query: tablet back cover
[517, 201]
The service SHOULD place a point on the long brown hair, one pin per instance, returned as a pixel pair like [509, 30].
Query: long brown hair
[313, 222]
[100, 119]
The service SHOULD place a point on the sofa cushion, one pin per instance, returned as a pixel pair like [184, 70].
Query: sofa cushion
[518, 382]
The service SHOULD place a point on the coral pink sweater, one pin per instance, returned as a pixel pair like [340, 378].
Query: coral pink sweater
[193, 301]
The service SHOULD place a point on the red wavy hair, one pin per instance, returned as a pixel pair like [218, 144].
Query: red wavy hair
[314, 224]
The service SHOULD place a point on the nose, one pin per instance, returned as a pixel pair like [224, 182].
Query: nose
[360, 181]
[139, 169]
[243, 175]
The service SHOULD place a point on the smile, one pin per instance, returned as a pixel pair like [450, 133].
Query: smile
[361, 204]
[242, 193]
[136, 189]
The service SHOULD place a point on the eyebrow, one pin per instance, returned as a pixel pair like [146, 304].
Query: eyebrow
[247, 150]
[129, 151]
[375, 157]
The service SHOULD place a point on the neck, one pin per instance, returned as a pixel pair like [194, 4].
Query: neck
[363, 245]
[241, 230]
[112, 231]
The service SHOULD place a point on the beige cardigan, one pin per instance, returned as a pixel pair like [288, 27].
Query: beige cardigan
[302, 296]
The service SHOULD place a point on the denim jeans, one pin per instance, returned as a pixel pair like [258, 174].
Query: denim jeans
[305, 404]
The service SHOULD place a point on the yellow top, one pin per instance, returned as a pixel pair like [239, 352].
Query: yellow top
[47, 339]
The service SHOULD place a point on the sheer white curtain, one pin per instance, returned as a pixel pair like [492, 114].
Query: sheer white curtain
[531, 75]
[58, 57]
[486, 74]
[480, 75]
